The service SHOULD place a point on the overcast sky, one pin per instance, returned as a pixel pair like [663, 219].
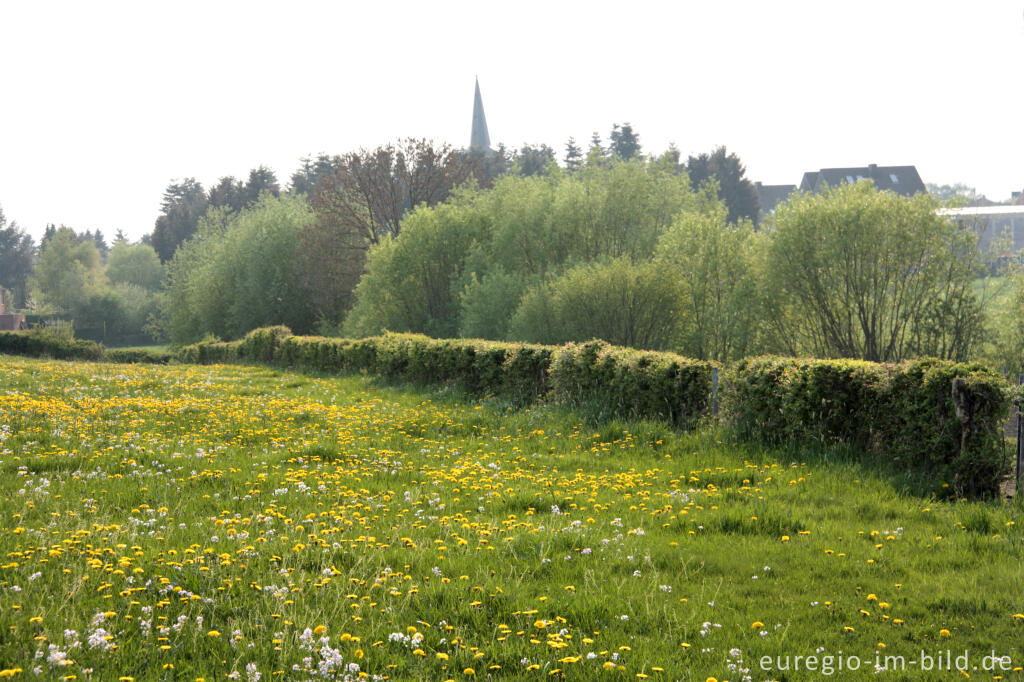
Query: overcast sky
[102, 104]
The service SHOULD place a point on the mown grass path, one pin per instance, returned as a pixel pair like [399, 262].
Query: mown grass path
[244, 523]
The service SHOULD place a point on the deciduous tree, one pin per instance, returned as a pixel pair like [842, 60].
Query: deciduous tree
[858, 273]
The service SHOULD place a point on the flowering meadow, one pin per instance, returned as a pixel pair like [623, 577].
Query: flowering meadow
[224, 522]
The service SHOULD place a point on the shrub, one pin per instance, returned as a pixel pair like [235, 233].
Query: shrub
[40, 343]
[261, 345]
[933, 415]
[137, 355]
[633, 383]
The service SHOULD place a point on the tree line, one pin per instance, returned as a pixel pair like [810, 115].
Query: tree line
[645, 250]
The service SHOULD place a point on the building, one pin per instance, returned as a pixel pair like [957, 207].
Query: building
[771, 196]
[903, 180]
[479, 139]
[9, 321]
[992, 223]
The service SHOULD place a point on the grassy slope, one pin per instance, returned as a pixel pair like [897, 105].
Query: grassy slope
[236, 507]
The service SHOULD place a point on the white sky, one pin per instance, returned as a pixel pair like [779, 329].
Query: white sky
[102, 104]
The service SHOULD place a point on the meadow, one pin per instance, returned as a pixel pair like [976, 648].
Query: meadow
[228, 522]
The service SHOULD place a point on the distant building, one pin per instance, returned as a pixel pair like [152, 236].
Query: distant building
[992, 223]
[479, 139]
[771, 196]
[903, 180]
[9, 321]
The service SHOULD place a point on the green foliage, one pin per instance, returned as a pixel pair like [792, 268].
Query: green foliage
[726, 173]
[135, 264]
[525, 229]
[635, 305]
[487, 304]
[1006, 338]
[17, 253]
[409, 280]
[184, 204]
[44, 344]
[133, 356]
[718, 268]
[261, 345]
[67, 273]
[956, 194]
[854, 272]
[906, 412]
[632, 383]
[237, 274]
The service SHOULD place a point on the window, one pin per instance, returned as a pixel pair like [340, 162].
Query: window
[895, 178]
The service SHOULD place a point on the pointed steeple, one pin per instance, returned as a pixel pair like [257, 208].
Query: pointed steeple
[479, 139]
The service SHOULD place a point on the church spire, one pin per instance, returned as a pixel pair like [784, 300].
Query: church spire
[479, 139]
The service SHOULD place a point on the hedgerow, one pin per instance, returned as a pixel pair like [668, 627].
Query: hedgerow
[934, 415]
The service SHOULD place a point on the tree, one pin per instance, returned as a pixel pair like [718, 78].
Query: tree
[858, 273]
[308, 177]
[100, 241]
[237, 274]
[625, 144]
[135, 264]
[476, 253]
[716, 266]
[621, 302]
[373, 190]
[228, 193]
[17, 252]
[958, 193]
[68, 272]
[261, 179]
[573, 155]
[332, 256]
[597, 153]
[184, 203]
[738, 193]
[533, 160]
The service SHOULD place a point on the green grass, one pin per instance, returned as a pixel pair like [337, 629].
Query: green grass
[205, 517]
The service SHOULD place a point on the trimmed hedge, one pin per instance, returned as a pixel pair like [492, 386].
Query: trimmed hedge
[632, 382]
[137, 355]
[49, 346]
[38, 345]
[621, 380]
[931, 414]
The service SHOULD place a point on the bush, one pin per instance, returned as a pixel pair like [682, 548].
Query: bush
[41, 343]
[933, 415]
[641, 384]
[628, 304]
[261, 345]
[137, 355]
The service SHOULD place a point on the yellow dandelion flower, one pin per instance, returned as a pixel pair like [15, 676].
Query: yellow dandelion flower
[213, 633]
[757, 624]
[944, 632]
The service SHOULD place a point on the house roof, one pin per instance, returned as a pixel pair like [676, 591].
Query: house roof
[771, 196]
[899, 179]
